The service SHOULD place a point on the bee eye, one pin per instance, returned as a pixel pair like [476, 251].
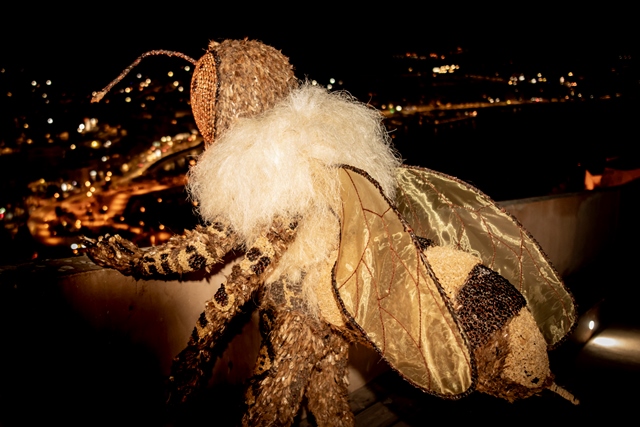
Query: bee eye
[204, 85]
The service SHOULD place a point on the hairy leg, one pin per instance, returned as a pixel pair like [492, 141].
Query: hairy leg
[294, 346]
[327, 393]
[191, 369]
[197, 249]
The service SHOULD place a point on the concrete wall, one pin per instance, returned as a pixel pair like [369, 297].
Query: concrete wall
[572, 229]
[78, 337]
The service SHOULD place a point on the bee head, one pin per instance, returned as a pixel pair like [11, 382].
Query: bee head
[237, 78]
[233, 79]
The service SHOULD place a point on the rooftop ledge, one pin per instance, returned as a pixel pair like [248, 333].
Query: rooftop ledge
[69, 322]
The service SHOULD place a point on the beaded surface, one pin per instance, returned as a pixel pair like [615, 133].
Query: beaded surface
[486, 303]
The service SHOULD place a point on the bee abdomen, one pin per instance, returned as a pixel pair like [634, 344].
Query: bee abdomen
[508, 347]
[486, 303]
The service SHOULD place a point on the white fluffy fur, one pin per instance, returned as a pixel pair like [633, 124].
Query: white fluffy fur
[283, 162]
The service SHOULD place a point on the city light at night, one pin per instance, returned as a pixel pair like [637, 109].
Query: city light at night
[426, 93]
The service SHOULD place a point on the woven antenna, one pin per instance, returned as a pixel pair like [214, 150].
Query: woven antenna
[98, 96]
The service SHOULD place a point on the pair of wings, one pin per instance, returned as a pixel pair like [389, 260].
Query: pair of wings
[388, 290]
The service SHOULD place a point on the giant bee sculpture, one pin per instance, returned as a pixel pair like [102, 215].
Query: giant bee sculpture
[342, 243]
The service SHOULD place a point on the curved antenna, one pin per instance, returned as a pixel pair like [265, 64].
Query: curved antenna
[98, 96]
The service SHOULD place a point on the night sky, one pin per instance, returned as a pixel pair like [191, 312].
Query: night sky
[89, 46]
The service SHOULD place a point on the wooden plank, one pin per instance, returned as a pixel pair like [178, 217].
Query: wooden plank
[377, 415]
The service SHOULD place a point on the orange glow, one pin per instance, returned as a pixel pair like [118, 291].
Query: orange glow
[591, 181]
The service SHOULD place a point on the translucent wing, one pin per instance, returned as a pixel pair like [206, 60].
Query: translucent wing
[451, 212]
[390, 293]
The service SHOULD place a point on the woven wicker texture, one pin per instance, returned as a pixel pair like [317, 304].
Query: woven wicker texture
[237, 78]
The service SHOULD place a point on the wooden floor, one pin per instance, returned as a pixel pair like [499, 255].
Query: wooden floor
[391, 402]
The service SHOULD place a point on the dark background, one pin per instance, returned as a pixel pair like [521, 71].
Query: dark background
[91, 43]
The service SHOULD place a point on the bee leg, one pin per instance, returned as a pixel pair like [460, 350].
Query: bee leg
[192, 368]
[195, 250]
[283, 370]
[327, 394]
[113, 252]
